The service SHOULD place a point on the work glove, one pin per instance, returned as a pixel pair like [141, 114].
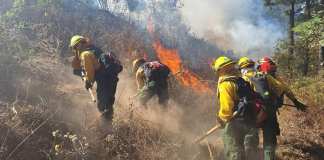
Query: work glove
[220, 121]
[300, 106]
[77, 72]
[88, 85]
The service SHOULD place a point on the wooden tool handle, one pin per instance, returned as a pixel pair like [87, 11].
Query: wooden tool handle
[92, 96]
[212, 130]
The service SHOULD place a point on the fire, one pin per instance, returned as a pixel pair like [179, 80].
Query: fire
[171, 58]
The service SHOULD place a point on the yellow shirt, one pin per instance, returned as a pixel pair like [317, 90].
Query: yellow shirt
[227, 95]
[140, 78]
[90, 64]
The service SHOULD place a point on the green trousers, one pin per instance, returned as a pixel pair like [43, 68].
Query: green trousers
[240, 141]
[270, 132]
[152, 89]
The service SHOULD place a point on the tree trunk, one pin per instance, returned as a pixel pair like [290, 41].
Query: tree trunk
[306, 61]
[308, 9]
[321, 57]
[306, 56]
[291, 26]
[291, 35]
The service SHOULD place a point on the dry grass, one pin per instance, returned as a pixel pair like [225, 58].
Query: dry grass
[50, 118]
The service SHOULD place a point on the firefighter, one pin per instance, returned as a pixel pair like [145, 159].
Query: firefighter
[240, 136]
[152, 79]
[273, 89]
[268, 66]
[86, 64]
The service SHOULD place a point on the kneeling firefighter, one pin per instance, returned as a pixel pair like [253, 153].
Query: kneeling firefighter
[270, 92]
[152, 79]
[236, 112]
[93, 65]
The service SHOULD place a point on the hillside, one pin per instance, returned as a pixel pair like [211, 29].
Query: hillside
[46, 114]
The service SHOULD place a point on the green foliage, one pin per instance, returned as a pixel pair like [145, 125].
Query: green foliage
[18, 3]
[310, 32]
[308, 35]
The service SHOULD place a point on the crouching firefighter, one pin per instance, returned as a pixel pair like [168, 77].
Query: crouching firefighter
[152, 79]
[236, 112]
[95, 66]
[269, 92]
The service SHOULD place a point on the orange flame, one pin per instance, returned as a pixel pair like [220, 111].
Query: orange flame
[171, 58]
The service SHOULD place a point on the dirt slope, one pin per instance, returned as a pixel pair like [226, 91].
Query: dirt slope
[46, 91]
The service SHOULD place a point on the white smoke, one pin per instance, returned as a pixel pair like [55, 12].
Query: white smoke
[239, 25]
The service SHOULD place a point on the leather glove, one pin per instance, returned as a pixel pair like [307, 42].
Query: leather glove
[300, 106]
[88, 85]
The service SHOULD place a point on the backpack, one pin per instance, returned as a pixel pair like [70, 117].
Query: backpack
[245, 108]
[260, 83]
[108, 60]
[263, 97]
[155, 71]
[112, 66]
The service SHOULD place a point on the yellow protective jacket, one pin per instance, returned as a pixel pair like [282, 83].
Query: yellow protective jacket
[88, 62]
[140, 78]
[227, 96]
[276, 87]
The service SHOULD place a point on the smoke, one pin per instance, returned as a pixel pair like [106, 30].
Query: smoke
[243, 26]
[239, 25]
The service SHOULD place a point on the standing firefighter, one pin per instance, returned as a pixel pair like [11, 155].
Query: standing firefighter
[95, 66]
[152, 79]
[236, 112]
[270, 91]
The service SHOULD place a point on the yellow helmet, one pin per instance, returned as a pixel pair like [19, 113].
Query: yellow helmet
[221, 62]
[137, 63]
[75, 40]
[245, 62]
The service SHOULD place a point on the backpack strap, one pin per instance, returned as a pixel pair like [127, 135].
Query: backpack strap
[95, 50]
[230, 79]
[242, 85]
[244, 105]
